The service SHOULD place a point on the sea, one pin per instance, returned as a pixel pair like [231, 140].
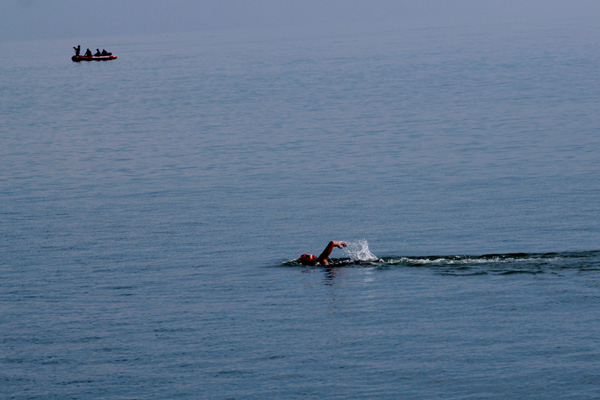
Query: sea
[153, 208]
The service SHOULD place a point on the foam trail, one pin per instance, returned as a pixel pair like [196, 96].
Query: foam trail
[359, 250]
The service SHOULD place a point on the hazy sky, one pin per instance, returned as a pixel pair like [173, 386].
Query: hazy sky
[76, 19]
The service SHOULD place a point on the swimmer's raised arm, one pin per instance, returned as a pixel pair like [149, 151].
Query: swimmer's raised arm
[323, 258]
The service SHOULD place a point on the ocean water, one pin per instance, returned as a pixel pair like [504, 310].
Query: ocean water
[152, 209]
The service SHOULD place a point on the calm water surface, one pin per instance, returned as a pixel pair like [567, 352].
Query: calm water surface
[152, 207]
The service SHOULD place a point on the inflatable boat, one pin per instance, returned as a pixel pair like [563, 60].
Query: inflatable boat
[93, 58]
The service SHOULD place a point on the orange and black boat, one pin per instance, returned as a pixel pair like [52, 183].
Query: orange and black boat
[93, 58]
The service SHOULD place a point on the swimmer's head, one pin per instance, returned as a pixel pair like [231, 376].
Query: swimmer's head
[307, 259]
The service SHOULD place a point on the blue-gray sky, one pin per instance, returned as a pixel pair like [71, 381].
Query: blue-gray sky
[76, 19]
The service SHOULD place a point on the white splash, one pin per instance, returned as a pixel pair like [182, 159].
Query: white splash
[359, 250]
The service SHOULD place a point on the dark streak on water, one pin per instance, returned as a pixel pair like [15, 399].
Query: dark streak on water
[496, 264]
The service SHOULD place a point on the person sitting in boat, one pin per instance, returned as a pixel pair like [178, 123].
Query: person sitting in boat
[310, 259]
[77, 50]
[106, 53]
[88, 53]
[97, 53]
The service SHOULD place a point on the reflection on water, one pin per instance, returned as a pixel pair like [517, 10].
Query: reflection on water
[330, 275]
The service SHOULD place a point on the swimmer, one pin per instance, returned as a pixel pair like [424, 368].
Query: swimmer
[311, 259]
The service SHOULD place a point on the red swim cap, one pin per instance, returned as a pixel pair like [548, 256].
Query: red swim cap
[307, 259]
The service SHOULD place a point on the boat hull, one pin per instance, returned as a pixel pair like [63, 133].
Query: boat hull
[93, 58]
